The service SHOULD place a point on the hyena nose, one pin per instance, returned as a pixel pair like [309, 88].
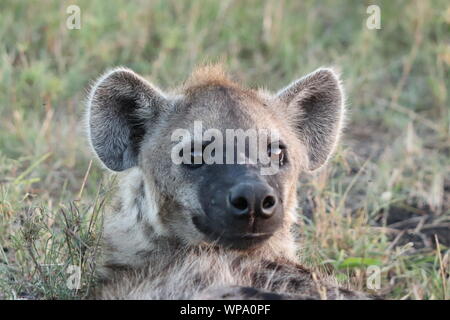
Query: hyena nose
[247, 199]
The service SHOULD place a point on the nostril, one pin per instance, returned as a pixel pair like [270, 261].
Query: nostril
[269, 202]
[268, 206]
[240, 203]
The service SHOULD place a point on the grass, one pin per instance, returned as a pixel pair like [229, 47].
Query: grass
[384, 200]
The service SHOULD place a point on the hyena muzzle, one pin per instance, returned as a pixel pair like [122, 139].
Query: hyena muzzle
[215, 224]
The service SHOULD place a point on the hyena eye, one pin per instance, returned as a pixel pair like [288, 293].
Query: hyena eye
[277, 153]
[195, 159]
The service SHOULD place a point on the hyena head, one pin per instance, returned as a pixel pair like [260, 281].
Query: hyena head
[196, 149]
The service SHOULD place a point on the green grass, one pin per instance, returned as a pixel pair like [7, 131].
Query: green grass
[394, 156]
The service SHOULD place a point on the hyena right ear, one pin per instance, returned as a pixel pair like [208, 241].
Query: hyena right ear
[121, 107]
[316, 102]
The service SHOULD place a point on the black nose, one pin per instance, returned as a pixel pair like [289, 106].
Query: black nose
[256, 199]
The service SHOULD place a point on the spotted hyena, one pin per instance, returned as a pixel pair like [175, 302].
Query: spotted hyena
[196, 228]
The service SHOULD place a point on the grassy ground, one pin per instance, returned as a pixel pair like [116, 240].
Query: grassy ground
[384, 200]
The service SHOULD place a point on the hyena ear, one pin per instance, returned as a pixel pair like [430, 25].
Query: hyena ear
[121, 107]
[316, 103]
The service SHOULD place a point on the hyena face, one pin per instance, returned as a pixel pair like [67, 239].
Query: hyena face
[221, 191]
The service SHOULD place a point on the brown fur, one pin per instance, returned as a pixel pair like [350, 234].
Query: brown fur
[208, 75]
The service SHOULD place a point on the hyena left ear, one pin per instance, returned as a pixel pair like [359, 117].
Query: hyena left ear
[121, 109]
[316, 101]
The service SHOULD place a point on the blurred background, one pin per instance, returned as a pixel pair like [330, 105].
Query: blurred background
[383, 201]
